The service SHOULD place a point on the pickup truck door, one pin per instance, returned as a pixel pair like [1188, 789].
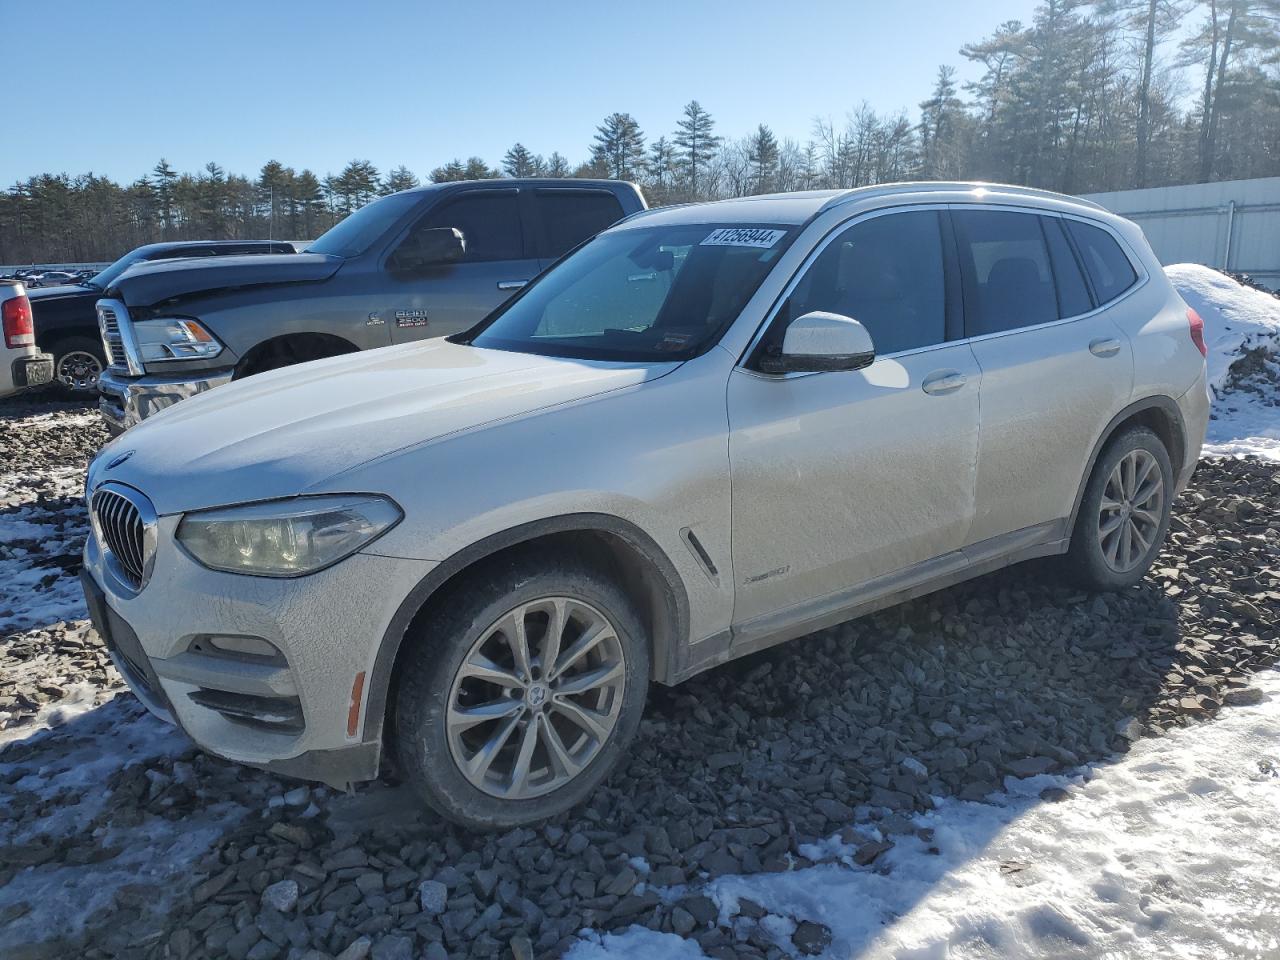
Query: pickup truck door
[565, 216]
[443, 300]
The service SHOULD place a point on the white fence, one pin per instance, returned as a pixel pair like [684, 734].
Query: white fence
[1232, 225]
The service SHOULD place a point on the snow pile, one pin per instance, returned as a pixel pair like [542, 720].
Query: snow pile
[1242, 332]
[1169, 851]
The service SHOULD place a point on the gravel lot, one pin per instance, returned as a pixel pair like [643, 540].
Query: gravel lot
[117, 838]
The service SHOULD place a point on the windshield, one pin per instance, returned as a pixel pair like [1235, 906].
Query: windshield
[353, 236]
[661, 293]
[107, 277]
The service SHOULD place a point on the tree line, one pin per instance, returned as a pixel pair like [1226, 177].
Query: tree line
[1091, 95]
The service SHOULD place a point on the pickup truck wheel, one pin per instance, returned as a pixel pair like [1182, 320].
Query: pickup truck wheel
[1124, 515]
[77, 365]
[519, 700]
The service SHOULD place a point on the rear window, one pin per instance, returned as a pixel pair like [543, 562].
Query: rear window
[1005, 264]
[570, 216]
[1108, 266]
[1073, 294]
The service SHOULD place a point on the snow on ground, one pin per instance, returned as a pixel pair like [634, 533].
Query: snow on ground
[1237, 320]
[1169, 851]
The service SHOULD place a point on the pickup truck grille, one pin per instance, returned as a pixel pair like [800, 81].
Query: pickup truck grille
[112, 342]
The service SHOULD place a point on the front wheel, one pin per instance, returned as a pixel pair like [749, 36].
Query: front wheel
[1124, 514]
[517, 701]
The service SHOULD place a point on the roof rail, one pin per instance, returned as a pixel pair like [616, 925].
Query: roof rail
[931, 186]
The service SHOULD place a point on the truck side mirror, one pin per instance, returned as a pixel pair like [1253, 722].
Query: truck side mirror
[434, 247]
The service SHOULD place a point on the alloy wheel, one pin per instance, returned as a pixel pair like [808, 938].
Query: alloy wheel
[1131, 511]
[79, 370]
[536, 698]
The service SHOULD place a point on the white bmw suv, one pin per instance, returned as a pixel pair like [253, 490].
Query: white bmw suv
[709, 429]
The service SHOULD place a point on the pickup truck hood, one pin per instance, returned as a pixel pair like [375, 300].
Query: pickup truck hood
[282, 433]
[149, 283]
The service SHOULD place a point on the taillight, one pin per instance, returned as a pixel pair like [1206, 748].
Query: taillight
[19, 329]
[1197, 331]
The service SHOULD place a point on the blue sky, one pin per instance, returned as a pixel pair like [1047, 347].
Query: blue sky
[110, 87]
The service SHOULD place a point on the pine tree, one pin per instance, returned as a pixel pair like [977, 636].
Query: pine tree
[401, 178]
[618, 147]
[762, 153]
[940, 117]
[478, 169]
[557, 166]
[519, 161]
[697, 143]
[163, 177]
[451, 171]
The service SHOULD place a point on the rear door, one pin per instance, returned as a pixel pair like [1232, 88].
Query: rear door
[1055, 367]
[565, 216]
[450, 298]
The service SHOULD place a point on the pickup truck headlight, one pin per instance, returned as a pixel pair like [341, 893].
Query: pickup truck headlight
[174, 338]
[286, 538]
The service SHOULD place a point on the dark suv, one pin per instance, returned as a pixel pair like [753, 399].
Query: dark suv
[67, 326]
[421, 263]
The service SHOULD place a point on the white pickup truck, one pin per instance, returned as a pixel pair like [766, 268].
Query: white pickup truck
[21, 364]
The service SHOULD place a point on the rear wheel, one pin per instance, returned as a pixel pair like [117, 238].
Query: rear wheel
[77, 365]
[520, 698]
[1124, 515]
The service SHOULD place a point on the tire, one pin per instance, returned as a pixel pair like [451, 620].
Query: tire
[1100, 558]
[436, 735]
[78, 362]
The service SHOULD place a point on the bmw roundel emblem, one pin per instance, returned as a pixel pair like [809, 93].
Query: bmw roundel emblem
[116, 461]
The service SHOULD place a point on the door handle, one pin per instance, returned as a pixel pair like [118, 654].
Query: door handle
[1104, 347]
[514, 284]
[943, 381]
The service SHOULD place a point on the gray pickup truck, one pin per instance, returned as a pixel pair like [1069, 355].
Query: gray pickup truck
[426, 262]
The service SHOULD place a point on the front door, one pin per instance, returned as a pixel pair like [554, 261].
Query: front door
[450, 298]
[841, 478]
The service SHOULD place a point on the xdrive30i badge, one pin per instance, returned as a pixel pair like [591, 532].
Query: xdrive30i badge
[411, 318]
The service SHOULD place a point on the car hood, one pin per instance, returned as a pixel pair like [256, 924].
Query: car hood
[282, 433]
[145, 284]
[64, 292]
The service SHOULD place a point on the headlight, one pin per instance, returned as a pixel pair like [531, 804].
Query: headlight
[286, 538]
[174, 338]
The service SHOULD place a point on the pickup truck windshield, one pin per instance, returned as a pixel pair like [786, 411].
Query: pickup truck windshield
[658, 293]
[354, 235]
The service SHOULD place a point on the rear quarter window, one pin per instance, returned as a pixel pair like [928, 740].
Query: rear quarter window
[570, 216]
[1108, 266]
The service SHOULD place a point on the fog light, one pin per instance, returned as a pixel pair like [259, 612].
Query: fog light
[237, 647]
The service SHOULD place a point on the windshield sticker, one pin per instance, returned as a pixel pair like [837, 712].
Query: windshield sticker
[743, 237]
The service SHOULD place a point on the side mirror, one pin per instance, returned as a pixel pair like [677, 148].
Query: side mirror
[820, 341]
[431, 248]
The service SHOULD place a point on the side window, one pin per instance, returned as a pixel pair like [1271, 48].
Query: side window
[1005, 265]
[1109, 269]
[1073, 294]
[570, 216]
[489, 221]
[887, 274]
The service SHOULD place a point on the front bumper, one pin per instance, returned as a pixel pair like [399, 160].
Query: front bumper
[294, 714]
[125, 401]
